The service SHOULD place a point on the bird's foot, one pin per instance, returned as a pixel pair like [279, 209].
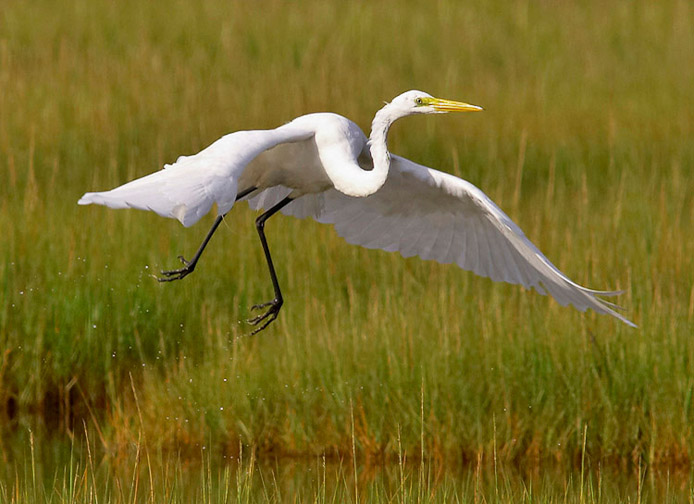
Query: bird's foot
[273, 308]
[177, 274]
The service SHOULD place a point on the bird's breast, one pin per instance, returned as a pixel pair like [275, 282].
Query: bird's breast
[295, 165]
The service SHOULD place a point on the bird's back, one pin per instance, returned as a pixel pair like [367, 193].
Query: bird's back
[305, 165]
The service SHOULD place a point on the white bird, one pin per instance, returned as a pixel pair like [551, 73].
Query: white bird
[322, 166]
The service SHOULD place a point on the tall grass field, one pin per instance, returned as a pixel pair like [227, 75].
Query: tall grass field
[586, 142]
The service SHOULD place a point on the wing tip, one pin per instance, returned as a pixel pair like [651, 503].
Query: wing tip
[608, 308]
[621, 318]
[86, 199]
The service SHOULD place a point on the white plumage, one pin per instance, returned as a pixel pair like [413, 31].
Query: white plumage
[330, 172]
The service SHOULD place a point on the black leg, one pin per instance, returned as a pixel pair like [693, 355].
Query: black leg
[189, 266]
[273, 306]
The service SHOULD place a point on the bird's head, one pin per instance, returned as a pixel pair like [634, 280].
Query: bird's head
[419, 102]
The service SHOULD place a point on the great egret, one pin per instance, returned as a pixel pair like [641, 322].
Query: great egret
[322, 166]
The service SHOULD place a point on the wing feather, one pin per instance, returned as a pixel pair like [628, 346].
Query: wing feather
[410, 239]
[447, 219]
[187, 189]
[473, 245]
[446, 245]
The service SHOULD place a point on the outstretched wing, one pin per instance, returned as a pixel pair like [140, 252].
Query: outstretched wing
[437, 216]
[187, 189]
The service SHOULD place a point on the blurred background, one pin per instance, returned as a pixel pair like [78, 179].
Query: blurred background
[375, 361]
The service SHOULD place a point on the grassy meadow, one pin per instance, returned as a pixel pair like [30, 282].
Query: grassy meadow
[586, 142]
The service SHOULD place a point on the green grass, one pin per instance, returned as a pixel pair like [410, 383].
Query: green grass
[585, 142]
[67, 471]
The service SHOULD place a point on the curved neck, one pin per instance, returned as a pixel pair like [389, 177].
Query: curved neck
[357, 181]
[379, 148]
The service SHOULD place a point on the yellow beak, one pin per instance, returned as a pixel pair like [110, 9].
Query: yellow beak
[441, 105]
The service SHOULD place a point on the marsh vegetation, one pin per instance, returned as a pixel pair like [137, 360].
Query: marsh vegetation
[375, 360]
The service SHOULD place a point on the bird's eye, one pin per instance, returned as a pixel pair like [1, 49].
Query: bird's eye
[418, 101]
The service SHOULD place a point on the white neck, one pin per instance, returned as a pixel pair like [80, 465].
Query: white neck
[361, 183]
[378, 146]
[371, 181]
